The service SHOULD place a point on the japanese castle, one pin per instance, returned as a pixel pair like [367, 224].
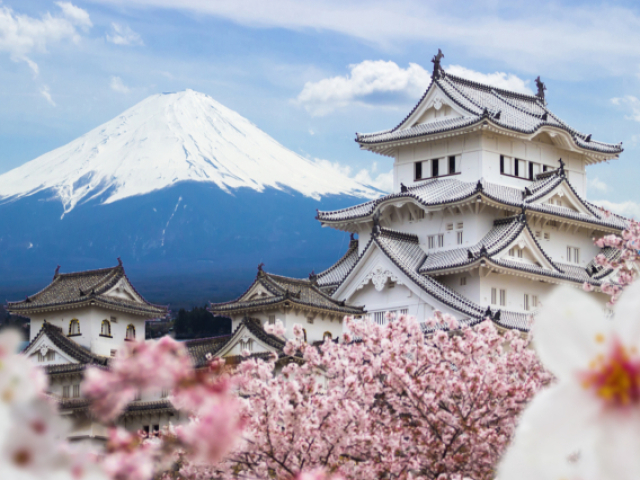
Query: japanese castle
[487, 216]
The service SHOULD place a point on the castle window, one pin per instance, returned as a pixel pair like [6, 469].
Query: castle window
[51, 355]
[65, 391]
[534, 301]
[131, 333]
[113, 352]
[547, 236]
[454, 165]
[246, 345]
[105, 329]
[165, 393]
[74, 327]
[463, 281]
[459, 225]
[449, 227]
[404, 311]
[459, 237]
[378, 317]
[76, 391]
[138, 396]
[418, 170]
[441, 240]
[573, 254]
[494, 296]
[526, 305]
[326, 335]
[431, 241]
[304, 331]
[272, 320]
[435, 164]
[502, 164]
[503, 297]
[114, 319]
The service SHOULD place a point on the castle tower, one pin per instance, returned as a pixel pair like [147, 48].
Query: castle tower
[488, 212]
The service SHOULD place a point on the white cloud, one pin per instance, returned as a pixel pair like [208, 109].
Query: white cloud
[20, 35]
[547, 36]
[597, 184]
[79, 16]
[368, 78]
[373, 78]
[118, 86]
[382, 181]
[627, 209]
[123, 35]
[506, 81]
[630, 103]
[44, 91]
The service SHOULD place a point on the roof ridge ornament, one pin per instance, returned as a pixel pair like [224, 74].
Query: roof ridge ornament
[403, 188]
[376, 223]
[57, 272]
[119, 262]
[541, 88]
[561, 169]
[437, 68]
[313, 278]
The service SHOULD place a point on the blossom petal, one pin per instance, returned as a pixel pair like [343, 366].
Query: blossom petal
[558, 422]
[566, 331]
[627, 315]
[618, 445]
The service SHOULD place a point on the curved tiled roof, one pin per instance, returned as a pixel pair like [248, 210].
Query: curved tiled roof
[199, 348]
[443, 191]
[405, 252]
[483, 103]
[339, 270]
[301, 292]
[80, 289]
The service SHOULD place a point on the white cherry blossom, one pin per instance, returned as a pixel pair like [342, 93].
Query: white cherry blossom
[587, 424]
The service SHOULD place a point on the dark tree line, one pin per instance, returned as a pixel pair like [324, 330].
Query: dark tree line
[199, 323]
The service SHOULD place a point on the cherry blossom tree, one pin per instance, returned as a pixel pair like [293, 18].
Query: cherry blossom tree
[386, 402]
[625, 264]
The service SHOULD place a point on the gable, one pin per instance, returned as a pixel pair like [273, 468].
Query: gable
[435, 106]
[123, 290]
[244, 339]
[378, 284]
[525, 249]
[256, 292]
[563, 196]
[44, 352]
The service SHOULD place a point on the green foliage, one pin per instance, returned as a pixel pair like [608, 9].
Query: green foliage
[199, 323]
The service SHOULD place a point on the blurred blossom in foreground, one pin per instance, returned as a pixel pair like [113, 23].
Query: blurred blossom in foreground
[587, 425]
[32, 435]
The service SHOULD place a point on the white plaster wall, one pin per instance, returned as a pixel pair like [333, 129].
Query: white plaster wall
[475, 226]
[480, 158]
[90, 319]
[494, 145]
[315, 329]
[467, 146]
[556, 246]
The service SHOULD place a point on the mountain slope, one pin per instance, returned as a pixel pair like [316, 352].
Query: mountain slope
[188, 193]
[169, 138]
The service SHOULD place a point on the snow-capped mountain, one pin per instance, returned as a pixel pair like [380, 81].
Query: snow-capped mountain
[191, 195]
[169, 138]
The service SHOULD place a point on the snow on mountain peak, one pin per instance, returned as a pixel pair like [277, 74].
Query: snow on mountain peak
[168, 138]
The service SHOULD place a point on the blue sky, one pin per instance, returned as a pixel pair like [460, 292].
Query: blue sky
[311, 73]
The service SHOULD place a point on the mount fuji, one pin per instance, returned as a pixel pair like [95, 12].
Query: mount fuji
[190, 194]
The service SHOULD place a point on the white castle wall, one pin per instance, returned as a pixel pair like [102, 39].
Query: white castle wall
[480, 158]
[90, 319]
